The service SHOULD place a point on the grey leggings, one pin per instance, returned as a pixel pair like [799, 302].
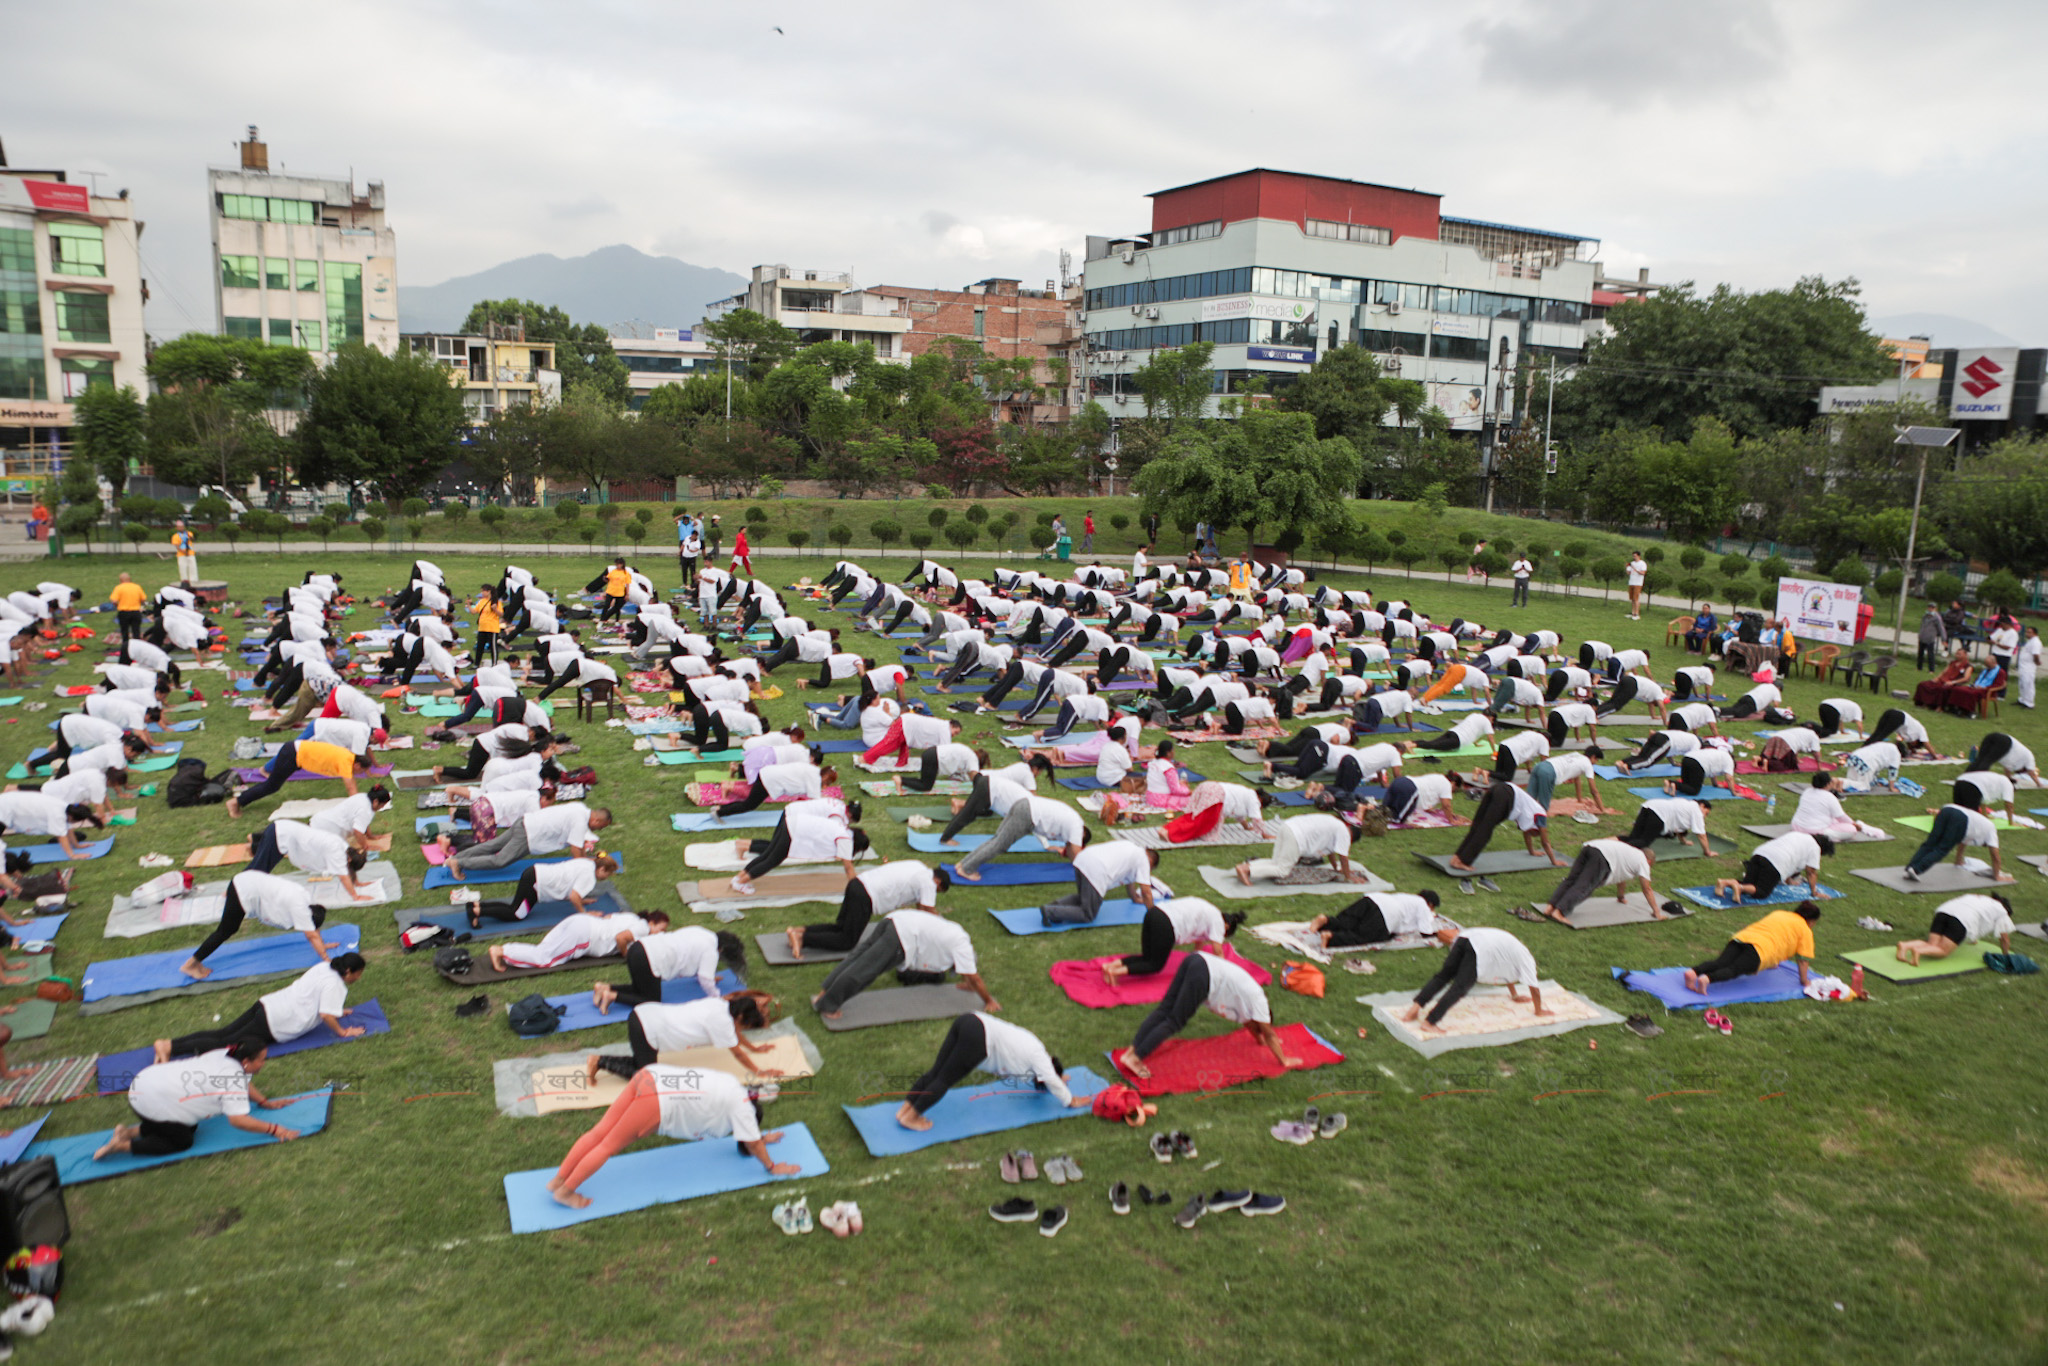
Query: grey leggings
[1587, 875]
[1078, 907]
[1187, 994]
[507, 847]
[856, 972]
[1014, 827]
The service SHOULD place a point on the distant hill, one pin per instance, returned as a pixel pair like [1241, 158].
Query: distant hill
[1945, 329]
[610, 285]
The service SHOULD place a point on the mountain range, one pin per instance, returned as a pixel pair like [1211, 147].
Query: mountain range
[610, 285]
[1946, 329]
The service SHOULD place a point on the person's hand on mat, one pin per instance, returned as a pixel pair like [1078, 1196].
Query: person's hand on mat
[272, 1103]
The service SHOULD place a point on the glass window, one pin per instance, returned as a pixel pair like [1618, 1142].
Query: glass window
[306, 275]
[277, 273]
[82, 316]
[239, 272]
[980, 322]
[344, 302]
[291, 211]
[22, 376]
[86, 372]
[241, 206]
[20, 314]
[280, 331]
[18, 249]
[309, 333]
[77, 249]
[245, 329]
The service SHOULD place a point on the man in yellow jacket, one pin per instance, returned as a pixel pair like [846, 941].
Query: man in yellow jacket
[188, 557]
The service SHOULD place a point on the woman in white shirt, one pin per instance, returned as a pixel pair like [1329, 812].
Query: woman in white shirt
[807, 832]
[171, 1098]
[682, 1103]
[310, 851]
[1775, 862]
[1603, 863]
[275, 901]
[319, 995]
[1167, 925]
[1477, 955]
[1958, 921]
[573, 880]
[1226, 989]
[1374, 920]
[656, 1027]
[981, 1041]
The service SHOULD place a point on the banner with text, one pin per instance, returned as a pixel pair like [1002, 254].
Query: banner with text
[1819, 613]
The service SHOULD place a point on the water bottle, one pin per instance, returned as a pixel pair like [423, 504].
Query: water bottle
[1856, 982]
[1771, 806]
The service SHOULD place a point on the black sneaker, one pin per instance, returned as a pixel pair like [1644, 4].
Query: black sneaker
[475, 1005]
[1194, 1209]
[1263, 1204]
[1119, 1198]
[1146, 1196]
[1183, 1146]
[1229, 1200]
[1052, 1221]
[1014, 1211]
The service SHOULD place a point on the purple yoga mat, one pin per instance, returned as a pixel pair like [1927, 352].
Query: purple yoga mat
[257, 775]
[1781, 983]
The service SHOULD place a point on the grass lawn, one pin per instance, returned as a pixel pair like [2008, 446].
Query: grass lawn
[1864, 1182]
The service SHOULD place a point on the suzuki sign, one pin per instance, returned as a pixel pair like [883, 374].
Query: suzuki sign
[1983, 384]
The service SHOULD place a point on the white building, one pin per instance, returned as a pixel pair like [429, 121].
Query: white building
[301, 260]
[71, 296]
[1276, 267]
[819, 306]
[655, 356]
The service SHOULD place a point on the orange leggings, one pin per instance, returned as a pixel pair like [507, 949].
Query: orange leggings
[1453, 676]
[631, 1117]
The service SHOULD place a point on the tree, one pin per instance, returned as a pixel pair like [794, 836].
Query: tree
[963, 534]
[1694, 587]
[936, 518]
[1452, 558]
[1771, 569]
[493, 517]
[583, 354]
[799, 538]
[1372, 548]
[966, 453]
[1995, 508]
[1734, 566]
[755, 344]
[1608, 570]
[232, 534]
[111, 432]
[1738, 594]
[1432, 501]
[840, 534]
[1039, 459]
[1267, 469]
[1408, 555]
[737, 455]
[1692, 557]
[1944, 587]
[1176, 383]
[321, 527]
[1569, 569]
[1750, 361]
[1851, 571]
[1346, 395]
[2002, 590]
[886, 532]
[391, 421]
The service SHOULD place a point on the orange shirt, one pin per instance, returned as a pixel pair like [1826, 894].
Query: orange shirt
[329, 761]
[128, 597]
[616, 582]
[1777, 937]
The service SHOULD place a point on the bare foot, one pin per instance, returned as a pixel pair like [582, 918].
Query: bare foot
[962, 875]
[233, 808]
[1458, 866]
[1426, 1027]
[1128, 1060]
[1244, 873]
[453, 865]
[117, 1142]
[572, 1199]
[195, 969]
[1541, 1011]
[909, 1118]
[497, 958]
[795, 935]
[163, 1050]
[591, 1067]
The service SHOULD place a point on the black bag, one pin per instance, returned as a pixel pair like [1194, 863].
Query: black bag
[453, 960]
[532, 1016]
[32, 1205]
[425, 935]
[190, 786]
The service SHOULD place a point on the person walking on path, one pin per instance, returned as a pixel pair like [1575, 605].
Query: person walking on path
[1638, 570]
[188, 557]
[740, 554]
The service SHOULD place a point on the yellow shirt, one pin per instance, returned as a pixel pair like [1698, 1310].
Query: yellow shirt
[181, 542]
[128, 597]
[616, 582]
[1778, 936]
[329, 761]
[487, 618]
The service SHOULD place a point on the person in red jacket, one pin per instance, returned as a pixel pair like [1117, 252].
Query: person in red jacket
[739, 553]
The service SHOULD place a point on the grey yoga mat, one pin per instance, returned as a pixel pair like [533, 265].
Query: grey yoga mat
[1944, 877]
[903, 1005]
[1224, 883]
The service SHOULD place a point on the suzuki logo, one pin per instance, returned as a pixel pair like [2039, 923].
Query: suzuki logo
[1983, 375]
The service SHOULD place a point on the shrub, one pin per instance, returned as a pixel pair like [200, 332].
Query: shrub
[1738, 594]
[976, 514]
[1654, 554]
[138, 533]
[414, 526]
[1608, 570]
[963, 534]
[1408, 556]
[1656, 581]
[798, 539]
[1692, 557]
[1695, 587]
[756, 514]
[1452, 558]
[321, 527]
[372, 529]
[643, 515]
[1852, 571]
[839, 533]
[1773, 568]
[1372, 548]
[936, 518]
[231, 534]
[1569, 569]
[589, 534]
[490, 514]
[1944, 588]
[921, 540]
[414, 507]
[1889, 583]
[455, 512]
[1578, 550]
[1466, 537]
[1433, 501]
[935, 491]
[1502, 544]
[609, 512]
[1119, 521]
[2002, 589]
[568, 511]
[1538, 551]
[212, 508]
[636, 532]
[886, 532]
[340, 513]
[1494, 563]
[1734, 566]
[1396, 537]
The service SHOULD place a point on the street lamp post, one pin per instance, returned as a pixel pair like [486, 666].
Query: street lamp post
[1924, 439]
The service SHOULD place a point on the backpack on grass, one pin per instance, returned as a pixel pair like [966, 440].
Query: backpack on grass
[532, 1016]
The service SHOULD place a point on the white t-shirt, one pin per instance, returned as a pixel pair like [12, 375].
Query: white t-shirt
[1695, 715]
[932, 943]
[1500, 958]
[275, 901]
[565, 825]
[1527, 745]
[1112, 764]
[1004, 792]
[1234, 995]
[1682, 816]
[1194, 918]
[1981, 833]
[691, 951]
[84, 787]
[925, 732]
[792, 780]
[1575, 714]
[1565, 767]
[352, 736]
[697, 1102]
[1013, 1052]
[1981, 916]
[187, 1090]
[1473, 728]
[1714, 763]
[2018, 759]
[1819, 810]
[294, 1010]
[1637, 568]
[555, 879]
[693, 1024]
[902, 883]
[815, 838]
[1625, 862]
[310, 850]
[1405, 913]
[1994, 788]
[1800, 740]
[1241, 803]
[1763, 695]
[1320, 835]
[1055, 823]
[350, 813]
[1790, 854]
[1112, 863]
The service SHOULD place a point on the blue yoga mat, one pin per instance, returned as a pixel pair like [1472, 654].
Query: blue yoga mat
[246, 685]
[1090, 783]
[421, 825]
[659, 1176]
[700, 822]
[544, 915]
[307, 1114]
[54, 853]
[674, 992]
[1609, 771]
[929, 842]
[511, 872]
[191, 725]
[1780, 896]
[1781, 983]
[16, 1143]
[41, 927]
[1291, 799]
[1028, 921]
[117, 1070]
[1705, 794]
[838, 746]
[239, 957]
[1017, 874]
[969, 1112]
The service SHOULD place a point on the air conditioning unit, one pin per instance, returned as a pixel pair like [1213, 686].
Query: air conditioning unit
[1393, 307]
[1137, 309]
[1123, 398]
[1152, 313]
[1130, 255]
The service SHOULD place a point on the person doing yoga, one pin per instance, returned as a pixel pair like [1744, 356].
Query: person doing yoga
[1167, 925]
[1760, 946]
[979, 1041]
[1226, 989]
[684, 1103]
[1477, 955]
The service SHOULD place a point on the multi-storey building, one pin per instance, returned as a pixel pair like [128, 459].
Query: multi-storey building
[498, 370]
[655, 356]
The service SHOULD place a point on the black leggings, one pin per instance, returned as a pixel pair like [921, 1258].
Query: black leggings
[1736, 959]
[281, 769]
[1990, 750]
[1187, 994]
[1648, 829]
[974, 808]
[774, 851]
[710, 726]
[756, 794]
[1359, 923]
[964, 1048]
[612, 607]
[642, 985]
[525, 896]
[1496, 806]
[1459, 971]
[636, 1038]
[231, 917]
[162, 1137]
[1155, 945]
[1830, 721]
[856, 909]
[927, 773]
[251, 1026]
[1761, 874]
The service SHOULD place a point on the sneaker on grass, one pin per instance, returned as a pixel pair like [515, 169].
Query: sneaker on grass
[1263, 1204]
[1052, 1221]
[1229, 1200]
[1017, 1211]
[1193, 1210]
[1119, 1198]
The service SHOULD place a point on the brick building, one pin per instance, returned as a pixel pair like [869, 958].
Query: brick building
[1008, 322]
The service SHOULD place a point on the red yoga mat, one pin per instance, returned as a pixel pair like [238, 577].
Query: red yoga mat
[1183, 1065]
[1082, 980]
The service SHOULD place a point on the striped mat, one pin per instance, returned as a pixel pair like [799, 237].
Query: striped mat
[54, 1080]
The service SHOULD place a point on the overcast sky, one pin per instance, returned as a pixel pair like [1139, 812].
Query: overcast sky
[935, 144]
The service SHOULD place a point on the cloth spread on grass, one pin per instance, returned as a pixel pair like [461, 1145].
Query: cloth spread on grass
[1224, 1060]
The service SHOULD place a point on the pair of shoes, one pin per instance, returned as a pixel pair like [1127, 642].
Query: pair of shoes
[1062, 1169]
[1148, 1196]
[1019, 1165]
[1332, 1125]
[1293, 1131]
[793, 1218]
[1024, 1211]
[1465, 886]
[1489, 884]
[1715, 1019]
[843, 1218]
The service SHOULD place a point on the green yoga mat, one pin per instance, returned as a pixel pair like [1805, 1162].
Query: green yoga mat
[31, 1019]
[1883, 962]
[1927, 823]
[672, 757]
[1481, 751]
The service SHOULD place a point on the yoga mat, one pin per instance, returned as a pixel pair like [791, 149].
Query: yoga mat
[1016, 874]
[15, 1142]
[659, 1176]
[1493, 863]
[1944, 878]
[969, 1112]
[1705, 794]
[1182, 1065]
[54, 853]
[1609, 771]
[1154, 837]
[217, 855]
[1488, 1018]
[1885, 963]
[903, 1005]
[257, 775]
[1224, 883]
[1082, 980]
[1780, 983]
[117, 1070]
[566, 1086]
[1925, 824]
[673, 757]
[1907, 788]
[582, 1014]
[426, 827]
[30, 1019]
[775, 951]
[511, 872]
[928, 842]
[39, 928]
[1478, 751]
[811, 885]
[306, 810]
[699, 822]
[1771, 832]
[1599, 912]
[904, 813]
[1790, 895]
[306, 1113]
[240, 959]
[204, 903]
[481, 975]
[838, 746]
[51, 1081]
[1027, 920]
[1088, 782]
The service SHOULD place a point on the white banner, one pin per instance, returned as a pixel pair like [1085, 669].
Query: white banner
[1252, 306]
[1983, 381]
[1851, 398]
[1457, 327]
[1819, 613]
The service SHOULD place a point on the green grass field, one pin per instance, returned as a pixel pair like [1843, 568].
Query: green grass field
[1864, 1182]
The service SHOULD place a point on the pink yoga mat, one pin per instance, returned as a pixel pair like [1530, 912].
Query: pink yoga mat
[1082, 980]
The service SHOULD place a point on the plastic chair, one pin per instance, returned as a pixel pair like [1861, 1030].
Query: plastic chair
[1879, 667]
[1852, 668]
[591, 695]
[1823, 659]
[1675, 629]
[1989, 701]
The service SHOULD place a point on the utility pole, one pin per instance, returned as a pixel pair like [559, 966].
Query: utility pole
[1925, 439]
